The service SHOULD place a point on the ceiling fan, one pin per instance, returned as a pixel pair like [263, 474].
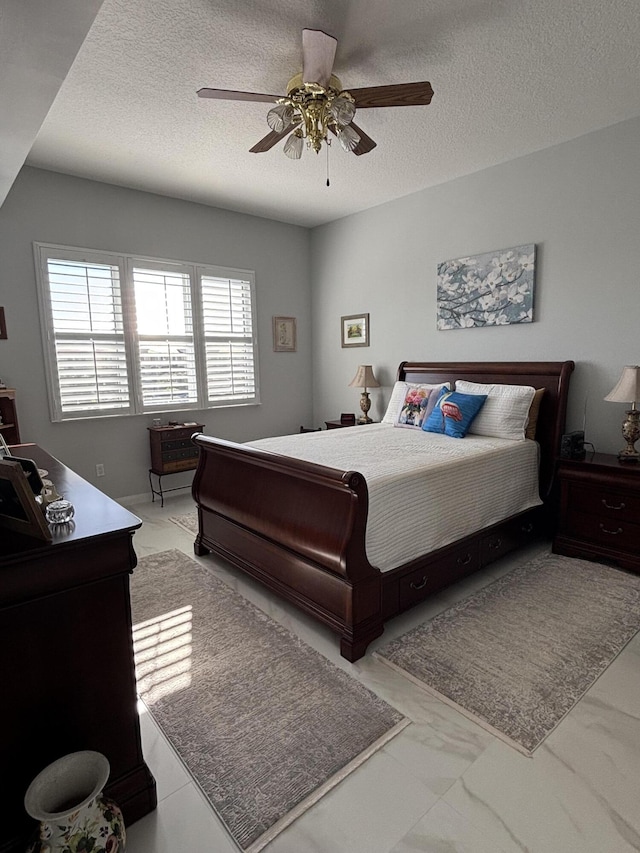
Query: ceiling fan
[316, 103]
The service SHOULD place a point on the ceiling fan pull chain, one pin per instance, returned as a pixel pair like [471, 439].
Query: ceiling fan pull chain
[327, 147]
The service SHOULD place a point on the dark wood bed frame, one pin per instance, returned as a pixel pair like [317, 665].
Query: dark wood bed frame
[299, 528]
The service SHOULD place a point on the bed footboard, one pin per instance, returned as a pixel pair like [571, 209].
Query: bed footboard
[298, 528]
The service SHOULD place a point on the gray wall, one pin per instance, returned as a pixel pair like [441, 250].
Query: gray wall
[579, 202]
[52, 208]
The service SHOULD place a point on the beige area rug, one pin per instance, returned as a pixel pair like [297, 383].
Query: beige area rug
[517, 655]
[188, 522]
[264, 723]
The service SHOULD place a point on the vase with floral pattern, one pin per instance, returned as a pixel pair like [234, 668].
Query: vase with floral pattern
[75, 816]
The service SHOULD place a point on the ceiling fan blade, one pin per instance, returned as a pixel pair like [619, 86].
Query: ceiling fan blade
[318, 53]
[365, 144]
[230, 95]
[271, 138]
[396, 95]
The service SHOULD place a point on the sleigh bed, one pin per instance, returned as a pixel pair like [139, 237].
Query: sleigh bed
[300, 527]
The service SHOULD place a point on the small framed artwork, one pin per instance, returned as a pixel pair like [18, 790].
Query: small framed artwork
[3, 325]
[19, 509]
[284, 334]
[355, 330]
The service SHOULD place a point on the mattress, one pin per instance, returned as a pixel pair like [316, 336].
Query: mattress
[425, 490]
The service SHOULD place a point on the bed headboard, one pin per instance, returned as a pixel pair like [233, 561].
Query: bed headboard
[553, 376]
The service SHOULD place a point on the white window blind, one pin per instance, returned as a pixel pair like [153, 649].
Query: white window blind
[166, 349]
[90, 355]
[228, 329]
[125, 335]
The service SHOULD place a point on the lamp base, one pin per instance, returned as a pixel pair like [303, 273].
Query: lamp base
[365, 405]
[631, 433]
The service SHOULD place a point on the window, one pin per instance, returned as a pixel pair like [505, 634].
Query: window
[127, 335]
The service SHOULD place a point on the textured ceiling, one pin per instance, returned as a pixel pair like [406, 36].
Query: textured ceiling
[509, 78]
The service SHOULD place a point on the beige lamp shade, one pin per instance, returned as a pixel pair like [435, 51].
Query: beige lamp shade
[628, 388]
[364, 378]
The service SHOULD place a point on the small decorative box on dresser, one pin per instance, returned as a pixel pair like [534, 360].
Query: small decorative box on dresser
[172, 451]
[600, 510]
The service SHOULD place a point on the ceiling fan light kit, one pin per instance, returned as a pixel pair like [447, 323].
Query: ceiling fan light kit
[312, 110]
[316, 103]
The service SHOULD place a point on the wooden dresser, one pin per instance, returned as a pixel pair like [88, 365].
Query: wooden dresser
[600, 510]
[66, 652]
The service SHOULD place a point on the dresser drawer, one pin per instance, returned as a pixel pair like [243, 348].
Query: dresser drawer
[600, 501]
[176, 445]
[187, 453]
[442, 571]
[179, 465]
[181, 433]
[618, 534]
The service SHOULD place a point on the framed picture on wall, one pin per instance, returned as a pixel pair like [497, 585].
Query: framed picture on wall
[354, 330]
[3, 325]
[284, 334]
[491, 289]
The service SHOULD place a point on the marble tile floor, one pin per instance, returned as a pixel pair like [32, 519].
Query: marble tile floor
[444, 785]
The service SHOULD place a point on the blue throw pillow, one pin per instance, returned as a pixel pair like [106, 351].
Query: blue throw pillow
[453, 413]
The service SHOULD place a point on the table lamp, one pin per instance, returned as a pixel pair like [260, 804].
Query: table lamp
[628, 391]
[364, 379]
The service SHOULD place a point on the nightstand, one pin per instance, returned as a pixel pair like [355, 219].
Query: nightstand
[338, 424]
[600, 510]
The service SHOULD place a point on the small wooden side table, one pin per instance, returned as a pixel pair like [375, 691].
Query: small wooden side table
[600, 510]
[171, 451]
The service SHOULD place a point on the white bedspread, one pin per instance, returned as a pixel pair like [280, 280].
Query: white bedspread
[425, 490]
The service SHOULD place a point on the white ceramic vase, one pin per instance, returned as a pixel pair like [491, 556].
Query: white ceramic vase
[66, 797]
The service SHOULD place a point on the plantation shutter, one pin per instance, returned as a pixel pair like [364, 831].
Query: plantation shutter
[88, 337]
[230, 351]
[166, 351]
[127, 334]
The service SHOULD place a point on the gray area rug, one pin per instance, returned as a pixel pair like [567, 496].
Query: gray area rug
[188, 522]
[264, 723]
[517, 655]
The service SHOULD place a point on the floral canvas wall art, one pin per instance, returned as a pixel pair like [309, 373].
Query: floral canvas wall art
[492, 289]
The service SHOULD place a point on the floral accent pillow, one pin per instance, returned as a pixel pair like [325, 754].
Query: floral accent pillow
[414, 409]
[409, 395]
[453, 413]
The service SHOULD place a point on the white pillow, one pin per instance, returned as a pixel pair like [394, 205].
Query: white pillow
[505, 413]
[397, 396]
[400, 392]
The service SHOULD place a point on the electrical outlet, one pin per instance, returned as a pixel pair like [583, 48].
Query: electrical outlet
[99, 470]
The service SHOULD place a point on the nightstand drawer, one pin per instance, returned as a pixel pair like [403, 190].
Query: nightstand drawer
[595, 500]
[602, 529]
